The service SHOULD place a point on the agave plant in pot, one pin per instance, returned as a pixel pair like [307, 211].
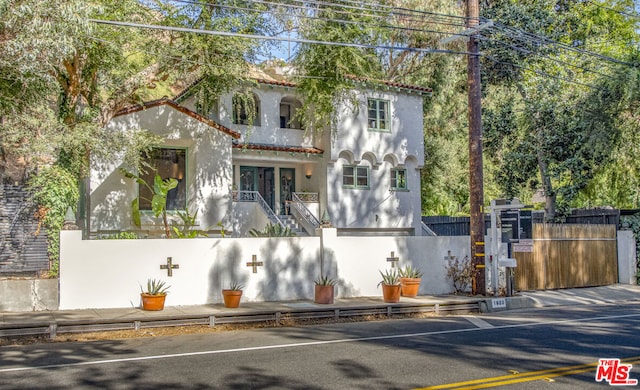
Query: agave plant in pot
[410, 279]
[232, 295]
[155, 294]
[324, 290]
[390, 286]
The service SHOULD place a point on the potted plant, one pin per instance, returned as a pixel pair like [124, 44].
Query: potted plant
[410, 279]
[153, 298]
[324, 290]
[232, 295]
[390, 286]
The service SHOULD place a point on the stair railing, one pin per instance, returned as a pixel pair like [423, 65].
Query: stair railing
[254, 196]
[304, 212]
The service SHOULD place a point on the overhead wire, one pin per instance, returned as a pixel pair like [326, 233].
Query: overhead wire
[512, 32]
[535, 38]
[515, 33]
[631, 15]
[274, 38]
[540, 55]
[538, 72]
[324, 18]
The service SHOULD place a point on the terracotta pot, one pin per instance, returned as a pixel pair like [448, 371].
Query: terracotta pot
[323, 294]
[231, 298]
[410, 286]
[152, 302]
[391, 292]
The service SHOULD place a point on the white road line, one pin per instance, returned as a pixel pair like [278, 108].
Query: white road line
[306, 344]
[482, 324]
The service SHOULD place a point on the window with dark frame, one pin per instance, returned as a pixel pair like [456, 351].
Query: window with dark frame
[398, 179]
[246, 110]
[168, 163]
[355, 176]
[378, 114]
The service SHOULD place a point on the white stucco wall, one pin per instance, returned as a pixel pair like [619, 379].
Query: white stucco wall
[108, 273]
[404, 139]
[627, 267]
[401, 147]
[268, 130]
[209, 173]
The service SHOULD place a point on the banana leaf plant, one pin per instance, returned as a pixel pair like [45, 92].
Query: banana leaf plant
[159, 189]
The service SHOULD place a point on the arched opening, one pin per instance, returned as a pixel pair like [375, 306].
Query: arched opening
[289, 107]
[246, 109]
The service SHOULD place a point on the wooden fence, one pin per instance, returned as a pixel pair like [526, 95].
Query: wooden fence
[567, 256]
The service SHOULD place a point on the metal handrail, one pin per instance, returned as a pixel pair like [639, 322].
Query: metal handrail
[254, 196]
[310, 197]
[306, 214]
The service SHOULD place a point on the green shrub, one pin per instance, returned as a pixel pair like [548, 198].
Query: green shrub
[54, 190]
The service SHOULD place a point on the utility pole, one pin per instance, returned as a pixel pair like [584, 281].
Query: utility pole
[476, 185]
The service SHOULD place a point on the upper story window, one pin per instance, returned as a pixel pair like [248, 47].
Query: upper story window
[355, 176]
[246, 109]
[378, 115]
[288, 113]
[168, 163]
[398, 179]
[208, 110]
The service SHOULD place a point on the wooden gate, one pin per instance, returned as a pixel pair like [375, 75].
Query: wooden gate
[567, 256]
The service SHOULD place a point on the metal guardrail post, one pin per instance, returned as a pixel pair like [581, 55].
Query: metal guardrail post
[53, 329]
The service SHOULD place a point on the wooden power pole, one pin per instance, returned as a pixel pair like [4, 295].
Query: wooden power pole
[476, 185]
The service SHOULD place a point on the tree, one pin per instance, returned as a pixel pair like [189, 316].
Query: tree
[554, 127]
[85, 72]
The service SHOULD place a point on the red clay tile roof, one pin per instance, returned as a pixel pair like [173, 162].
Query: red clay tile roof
[277, 82]
[391, 84]
[290, 84]
[182, 109]
[278, 148]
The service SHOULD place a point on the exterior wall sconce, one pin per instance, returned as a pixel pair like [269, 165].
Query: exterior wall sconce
[308, 174]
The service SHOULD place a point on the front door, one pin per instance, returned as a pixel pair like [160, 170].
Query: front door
[287, 188]
[258, 179]
[248, 179]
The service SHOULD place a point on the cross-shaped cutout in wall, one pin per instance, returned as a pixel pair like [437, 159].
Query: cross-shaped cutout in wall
[393, 259]
[169, 266]
[255, 263]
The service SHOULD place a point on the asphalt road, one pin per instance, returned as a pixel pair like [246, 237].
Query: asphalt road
[537, 349]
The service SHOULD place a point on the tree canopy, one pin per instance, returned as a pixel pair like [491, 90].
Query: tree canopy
[560, 82]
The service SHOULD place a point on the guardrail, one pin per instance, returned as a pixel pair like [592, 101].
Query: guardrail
[277, 316]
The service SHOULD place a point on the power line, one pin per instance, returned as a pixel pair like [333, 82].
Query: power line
[534, 38]
[274, 38]
[633, 15]
[526, 51]
[538, 72]
[323, 18]
[508, 30]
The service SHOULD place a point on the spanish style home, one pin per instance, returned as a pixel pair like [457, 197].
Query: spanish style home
[248, 161]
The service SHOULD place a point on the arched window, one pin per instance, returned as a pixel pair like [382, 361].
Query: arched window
[289, 107]
[246, 109]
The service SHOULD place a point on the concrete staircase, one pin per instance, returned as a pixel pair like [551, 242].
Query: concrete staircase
[290, 222]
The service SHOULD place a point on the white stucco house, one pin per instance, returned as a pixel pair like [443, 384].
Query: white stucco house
[364, 175]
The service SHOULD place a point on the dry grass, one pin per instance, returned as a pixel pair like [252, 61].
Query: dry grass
[193, 329]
